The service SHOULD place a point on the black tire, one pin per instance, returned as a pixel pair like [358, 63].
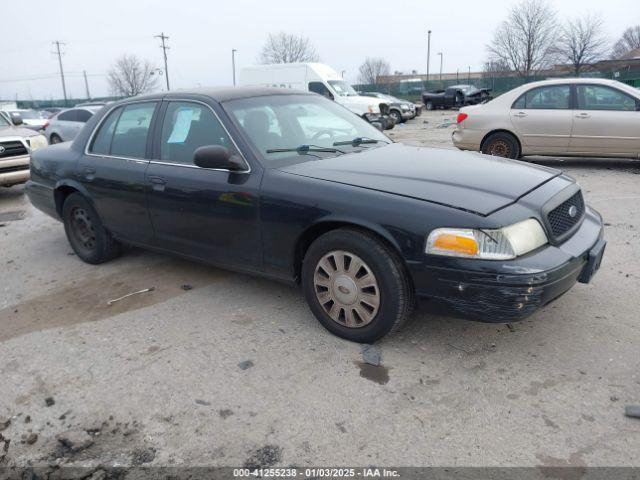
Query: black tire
[396, 115]
[55, 138]
[394, 290]
[429, 106]
[88, 238]
[501, 144]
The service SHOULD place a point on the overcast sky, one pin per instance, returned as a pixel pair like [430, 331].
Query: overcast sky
[202, 34]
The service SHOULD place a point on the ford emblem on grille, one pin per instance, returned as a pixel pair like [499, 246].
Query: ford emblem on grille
[2, 149]
[573, 211]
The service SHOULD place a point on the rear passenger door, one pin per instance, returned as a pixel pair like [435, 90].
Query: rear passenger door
[543, 119]
[205, 213]
[67, 123]
[607, 122]
[113, 166]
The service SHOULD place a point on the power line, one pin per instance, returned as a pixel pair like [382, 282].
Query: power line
[164, 47]
[64, 87]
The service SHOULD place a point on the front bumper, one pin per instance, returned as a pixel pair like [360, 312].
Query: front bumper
[503, 292]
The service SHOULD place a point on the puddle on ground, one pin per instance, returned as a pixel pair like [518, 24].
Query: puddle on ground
[12, 216]
[375, 373]
[85, 300]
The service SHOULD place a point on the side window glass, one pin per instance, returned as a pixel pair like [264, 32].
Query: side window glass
[102, 140]
[68, 116]
[83, 116]
[554, 97]
[319, 87]
[519, 103]
[597, 97]
[186, 127]
[130, 135]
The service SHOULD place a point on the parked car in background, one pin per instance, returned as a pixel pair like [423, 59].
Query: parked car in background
[320, 79]
[65, 125]
[455, 96]
[289, 185]
[92, 104]
[51, 111]
[400, 110]
[31, 119]
[571, 116]
[16, 145]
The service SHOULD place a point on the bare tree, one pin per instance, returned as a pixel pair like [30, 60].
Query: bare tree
[525, 40]
[288, 48]
[130, 76]
[581, 42]
[630, 40]
[372, 68]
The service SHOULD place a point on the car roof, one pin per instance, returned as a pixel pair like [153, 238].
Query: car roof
[561, 81]
[221, 94]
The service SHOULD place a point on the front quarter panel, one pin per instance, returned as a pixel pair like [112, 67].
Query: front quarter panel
[292, 205]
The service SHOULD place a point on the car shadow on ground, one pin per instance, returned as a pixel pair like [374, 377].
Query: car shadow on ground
[625, 164]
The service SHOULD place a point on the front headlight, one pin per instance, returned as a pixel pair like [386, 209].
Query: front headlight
[498, 244]
[404, 107]
[37, 141]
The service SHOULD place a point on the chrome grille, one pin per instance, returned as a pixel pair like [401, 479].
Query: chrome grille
[12, 148]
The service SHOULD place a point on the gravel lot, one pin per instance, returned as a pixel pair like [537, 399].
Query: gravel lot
[236, 371]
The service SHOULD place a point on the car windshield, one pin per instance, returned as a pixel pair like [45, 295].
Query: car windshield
[342, 88]
[294, 121]
[27, 114]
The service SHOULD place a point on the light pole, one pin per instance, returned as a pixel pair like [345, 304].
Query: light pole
[469, 75]
[342, 73]
[428, 54]
[440, 53]
[233, 65]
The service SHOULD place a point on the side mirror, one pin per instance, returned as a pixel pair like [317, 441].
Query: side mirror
[218, 157]
[16, 120]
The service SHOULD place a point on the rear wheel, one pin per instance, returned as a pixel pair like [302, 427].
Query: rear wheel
[429, 106]
[501, 144]
[90, 241]
[54, 139]
[356, 286]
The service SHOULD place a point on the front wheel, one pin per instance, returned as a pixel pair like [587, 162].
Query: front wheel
[90, 241]
[356, 286]
[55, 139]
[501, 144]
[429, 106]
[396, 115]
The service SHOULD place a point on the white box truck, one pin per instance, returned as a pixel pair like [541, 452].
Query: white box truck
[317, 78]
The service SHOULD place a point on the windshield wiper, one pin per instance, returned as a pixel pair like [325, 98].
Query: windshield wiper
[304, 149]
[358, 141]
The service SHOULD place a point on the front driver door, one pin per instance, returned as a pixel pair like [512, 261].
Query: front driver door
[543, 119]
[204, 213]
[607, 122]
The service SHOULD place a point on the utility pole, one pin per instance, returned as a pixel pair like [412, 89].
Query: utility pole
[233, 64]
[59, 53]
[164, 47]
[469, 75]
[428, 55]
[440, 53]
[86, 84]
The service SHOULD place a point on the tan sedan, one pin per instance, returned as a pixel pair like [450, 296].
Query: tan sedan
[569, 117]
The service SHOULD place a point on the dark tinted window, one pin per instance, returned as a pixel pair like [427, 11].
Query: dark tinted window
[186, 127]
[554, 97]
[68, 116]
[83, 115]
[130, 135]
[319, 87]
[102, 140]
[598, 97]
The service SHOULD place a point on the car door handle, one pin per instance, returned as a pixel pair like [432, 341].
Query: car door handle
[89, 173]
[158, 180]
[583, 115]
[520, 114]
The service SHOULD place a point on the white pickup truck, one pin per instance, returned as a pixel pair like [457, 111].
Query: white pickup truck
[321, 79]
[16, 145]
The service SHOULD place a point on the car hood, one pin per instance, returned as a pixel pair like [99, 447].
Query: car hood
[467, 181]
[16, 132]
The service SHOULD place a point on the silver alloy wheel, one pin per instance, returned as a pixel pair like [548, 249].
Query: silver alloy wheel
[347, 289]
